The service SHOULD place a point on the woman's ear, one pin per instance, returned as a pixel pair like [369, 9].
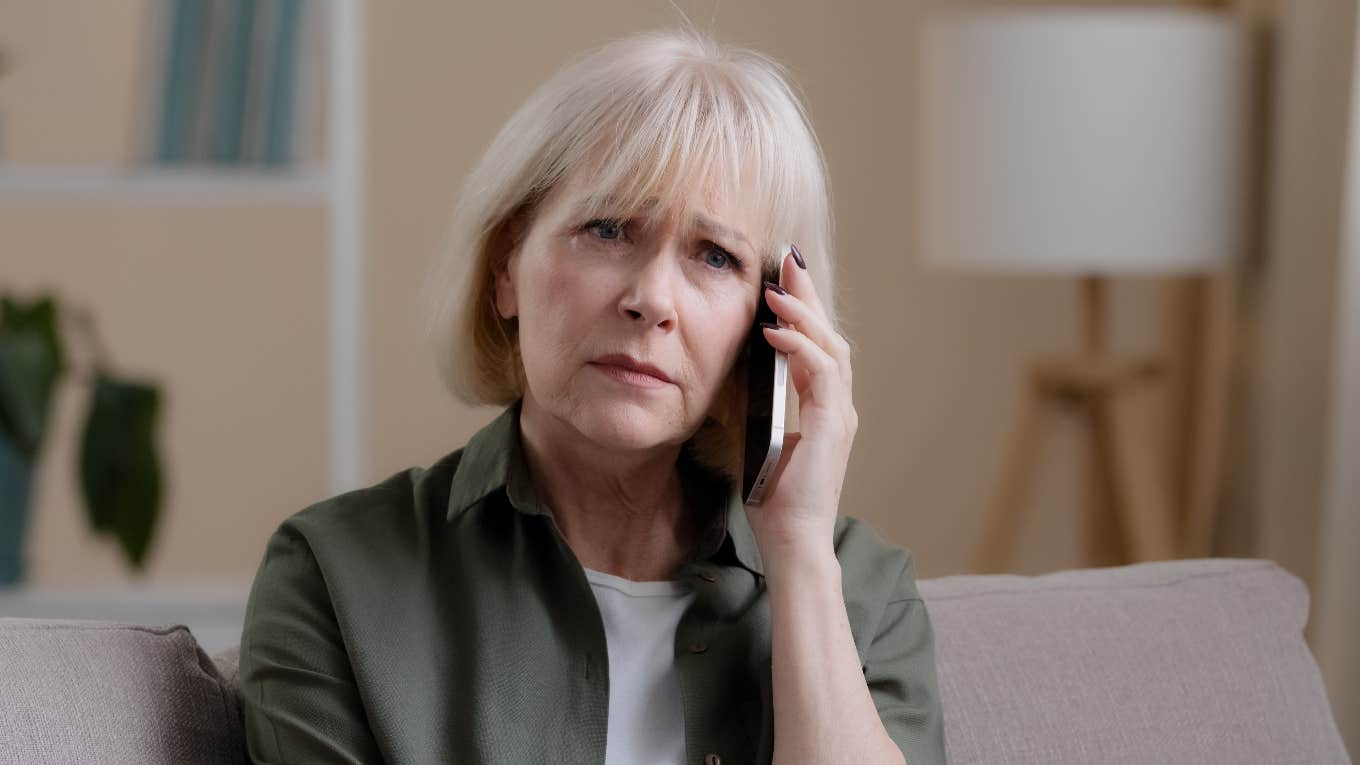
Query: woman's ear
[506, 303]
[506, 243]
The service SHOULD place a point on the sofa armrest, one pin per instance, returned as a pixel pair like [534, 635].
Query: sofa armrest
[75, 691]
[1199, 661]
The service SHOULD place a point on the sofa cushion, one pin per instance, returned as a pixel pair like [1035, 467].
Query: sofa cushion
[79, 692]
[228, 663]
[1195, 661]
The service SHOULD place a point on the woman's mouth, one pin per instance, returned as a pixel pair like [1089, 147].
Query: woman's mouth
[629, 376]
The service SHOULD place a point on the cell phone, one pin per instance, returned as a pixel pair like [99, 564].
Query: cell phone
[766, 399]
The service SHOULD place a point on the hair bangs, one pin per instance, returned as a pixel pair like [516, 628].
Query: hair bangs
[655, 123]
[701, 137]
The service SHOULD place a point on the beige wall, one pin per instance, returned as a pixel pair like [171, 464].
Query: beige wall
[224, 306]
[55, 107]
[228, 305]
[941, 354]
[226, 310]
[1297, 315]
[938, 375]
[1293, 297]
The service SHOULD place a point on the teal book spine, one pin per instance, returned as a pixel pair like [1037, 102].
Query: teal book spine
[234, 73]
[279, 117]
[187, 26]
[258, 82]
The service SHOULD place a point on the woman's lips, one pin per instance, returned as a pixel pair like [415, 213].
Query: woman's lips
[630, 376]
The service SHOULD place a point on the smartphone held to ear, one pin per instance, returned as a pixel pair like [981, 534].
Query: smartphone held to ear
[766, 402]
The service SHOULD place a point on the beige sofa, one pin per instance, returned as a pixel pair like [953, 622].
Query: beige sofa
[1199, 661]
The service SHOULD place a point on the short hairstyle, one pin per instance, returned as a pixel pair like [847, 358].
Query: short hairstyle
[650, 116]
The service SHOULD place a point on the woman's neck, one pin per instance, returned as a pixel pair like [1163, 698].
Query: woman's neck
[623, 514]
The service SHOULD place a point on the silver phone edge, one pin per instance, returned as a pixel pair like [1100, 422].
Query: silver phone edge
[780, 402]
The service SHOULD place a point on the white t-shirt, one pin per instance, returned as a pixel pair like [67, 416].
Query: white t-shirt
[646, 713]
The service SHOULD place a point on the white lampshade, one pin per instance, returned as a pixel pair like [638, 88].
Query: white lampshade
[1083, 141]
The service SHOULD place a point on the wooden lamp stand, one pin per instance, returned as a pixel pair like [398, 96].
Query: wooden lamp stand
[1127, 480]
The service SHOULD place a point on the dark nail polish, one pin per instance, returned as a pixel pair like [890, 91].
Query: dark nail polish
[798, 257]
[775, 288]
[769, 324]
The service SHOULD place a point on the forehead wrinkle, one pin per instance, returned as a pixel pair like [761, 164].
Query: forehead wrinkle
[697, 220]
[704, 222]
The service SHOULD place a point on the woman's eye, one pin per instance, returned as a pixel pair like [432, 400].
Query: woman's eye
[724, 260]
[609, 229]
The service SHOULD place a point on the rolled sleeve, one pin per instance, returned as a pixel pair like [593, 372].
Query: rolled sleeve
[900, 671]
[300, 700]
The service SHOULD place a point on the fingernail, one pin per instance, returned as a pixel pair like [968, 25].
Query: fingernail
[798, 257]
[769, 325]
[776, 288]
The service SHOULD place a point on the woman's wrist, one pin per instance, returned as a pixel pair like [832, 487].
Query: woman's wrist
[799, 561]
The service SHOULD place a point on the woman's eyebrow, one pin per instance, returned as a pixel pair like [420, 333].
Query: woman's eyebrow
[721, 230]
[699, 220]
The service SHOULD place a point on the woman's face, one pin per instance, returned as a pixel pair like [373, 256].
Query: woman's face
[680, 300]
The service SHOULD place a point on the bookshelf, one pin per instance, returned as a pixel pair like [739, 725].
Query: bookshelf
[335, 183]
[163, 186]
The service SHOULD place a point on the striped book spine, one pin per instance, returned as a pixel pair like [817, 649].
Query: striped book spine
[279, 117]
[234, 72]
[188, 21]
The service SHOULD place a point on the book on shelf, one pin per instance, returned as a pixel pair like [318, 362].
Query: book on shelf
[239, 82]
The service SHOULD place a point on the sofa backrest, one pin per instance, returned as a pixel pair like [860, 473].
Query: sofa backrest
[1194, 661]
[1199, 661]
[77, 692]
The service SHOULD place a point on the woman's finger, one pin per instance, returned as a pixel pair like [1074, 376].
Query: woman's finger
[796, 280]
[812, 323]
[809, 364]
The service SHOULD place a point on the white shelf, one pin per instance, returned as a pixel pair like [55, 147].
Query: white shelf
[43, 186]
[214, 611]
[336, 186]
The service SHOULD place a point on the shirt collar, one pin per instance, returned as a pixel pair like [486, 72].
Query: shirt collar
[493, 459]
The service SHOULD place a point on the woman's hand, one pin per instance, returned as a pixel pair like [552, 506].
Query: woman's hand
[798, 512]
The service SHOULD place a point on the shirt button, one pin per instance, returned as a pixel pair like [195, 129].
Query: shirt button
[712, 759]
[698, 646]
[707, 576]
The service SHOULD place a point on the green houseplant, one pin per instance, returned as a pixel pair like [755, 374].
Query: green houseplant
[119, 468]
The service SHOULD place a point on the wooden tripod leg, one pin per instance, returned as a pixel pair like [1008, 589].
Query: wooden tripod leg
[1003, 518]
[1211, 413]
[1140, 493]
[1105, 544]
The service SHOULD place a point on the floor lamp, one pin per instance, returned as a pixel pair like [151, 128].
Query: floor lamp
[1095, 143]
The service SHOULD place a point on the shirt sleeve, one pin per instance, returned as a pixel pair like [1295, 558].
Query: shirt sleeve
[300, 701]
[899, 668]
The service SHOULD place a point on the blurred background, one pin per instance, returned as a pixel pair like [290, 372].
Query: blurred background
[231, 205]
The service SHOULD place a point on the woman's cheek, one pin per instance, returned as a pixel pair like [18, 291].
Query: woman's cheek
[561, 283]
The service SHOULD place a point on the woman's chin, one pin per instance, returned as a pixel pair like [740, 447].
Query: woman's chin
[623, 424]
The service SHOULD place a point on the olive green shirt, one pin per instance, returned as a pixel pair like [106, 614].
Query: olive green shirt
[440, 616]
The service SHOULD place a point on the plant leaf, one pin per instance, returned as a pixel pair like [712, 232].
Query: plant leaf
[29, 368]
[119, 467]
[39, 315]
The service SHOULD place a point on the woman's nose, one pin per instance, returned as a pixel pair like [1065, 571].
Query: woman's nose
[650, 296]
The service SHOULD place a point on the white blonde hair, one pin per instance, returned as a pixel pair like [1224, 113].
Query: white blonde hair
[650, 116]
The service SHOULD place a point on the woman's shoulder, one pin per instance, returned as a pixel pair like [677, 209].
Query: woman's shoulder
[393, 512]
[337, 561]
[873, 568]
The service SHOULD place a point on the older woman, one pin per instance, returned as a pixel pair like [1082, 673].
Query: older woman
[581, 582]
